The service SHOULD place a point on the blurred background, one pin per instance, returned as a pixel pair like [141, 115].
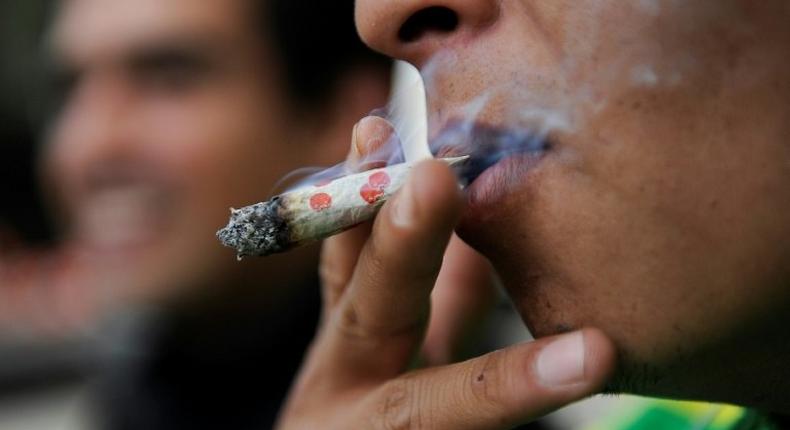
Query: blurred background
[33, 355]
[127, 130]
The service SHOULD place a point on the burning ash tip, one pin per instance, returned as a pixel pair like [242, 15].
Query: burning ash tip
[255, 230]
[226, 237]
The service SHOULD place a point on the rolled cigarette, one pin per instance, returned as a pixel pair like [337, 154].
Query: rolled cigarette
[315, 212]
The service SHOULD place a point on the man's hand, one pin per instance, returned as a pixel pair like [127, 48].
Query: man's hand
[377, 283]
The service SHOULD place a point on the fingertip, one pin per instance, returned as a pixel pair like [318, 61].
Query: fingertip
[600, 357]
[582, 360]
[375, 140]
[368, 134]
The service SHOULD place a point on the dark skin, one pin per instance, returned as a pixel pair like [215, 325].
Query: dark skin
[660, 217]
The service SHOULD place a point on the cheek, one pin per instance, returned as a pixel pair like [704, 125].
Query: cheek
[597, 256]
[654, 232]
[64, 161]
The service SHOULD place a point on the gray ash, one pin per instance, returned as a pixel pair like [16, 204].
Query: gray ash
[256, 230]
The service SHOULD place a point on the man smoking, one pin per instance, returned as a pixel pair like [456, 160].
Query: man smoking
[656, 213]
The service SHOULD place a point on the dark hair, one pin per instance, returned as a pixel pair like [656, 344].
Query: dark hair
[317, 43]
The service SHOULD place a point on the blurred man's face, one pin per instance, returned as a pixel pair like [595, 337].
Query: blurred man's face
[657, 208]
[173, 113]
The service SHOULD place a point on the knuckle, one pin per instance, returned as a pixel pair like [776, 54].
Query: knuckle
[371, 336]
[355, 326]
[396, 407]
[348, 322]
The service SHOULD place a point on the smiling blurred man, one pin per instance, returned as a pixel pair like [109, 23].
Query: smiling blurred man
[172, 112]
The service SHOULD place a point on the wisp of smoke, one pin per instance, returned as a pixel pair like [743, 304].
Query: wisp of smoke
[570, 93]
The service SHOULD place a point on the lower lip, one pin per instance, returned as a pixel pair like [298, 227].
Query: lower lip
[498, 181]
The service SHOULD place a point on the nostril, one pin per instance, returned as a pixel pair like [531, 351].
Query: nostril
[437, 19]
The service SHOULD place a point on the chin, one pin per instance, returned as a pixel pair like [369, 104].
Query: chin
[503, 235]
[543, 305]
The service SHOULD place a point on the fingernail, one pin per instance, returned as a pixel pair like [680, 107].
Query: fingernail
[562, 361]
[404, 208]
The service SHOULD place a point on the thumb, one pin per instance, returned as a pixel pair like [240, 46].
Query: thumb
[501, 389]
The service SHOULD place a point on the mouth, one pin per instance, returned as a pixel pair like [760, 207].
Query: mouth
[122, 218]
[488, 147]
[502, 161]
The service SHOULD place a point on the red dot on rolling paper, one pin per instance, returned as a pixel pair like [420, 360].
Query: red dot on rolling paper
[374, 189]
[320, 202]
[370, 193]
[379, 180]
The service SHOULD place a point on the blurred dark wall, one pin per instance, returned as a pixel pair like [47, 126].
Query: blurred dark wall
[21, 32]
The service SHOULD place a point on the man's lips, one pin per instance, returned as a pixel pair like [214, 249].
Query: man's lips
[487, 146]
[501, 162]
[121, 218]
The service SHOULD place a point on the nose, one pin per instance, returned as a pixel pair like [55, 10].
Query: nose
[413, 30]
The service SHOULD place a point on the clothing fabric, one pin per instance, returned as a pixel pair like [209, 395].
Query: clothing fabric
[657, 414]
